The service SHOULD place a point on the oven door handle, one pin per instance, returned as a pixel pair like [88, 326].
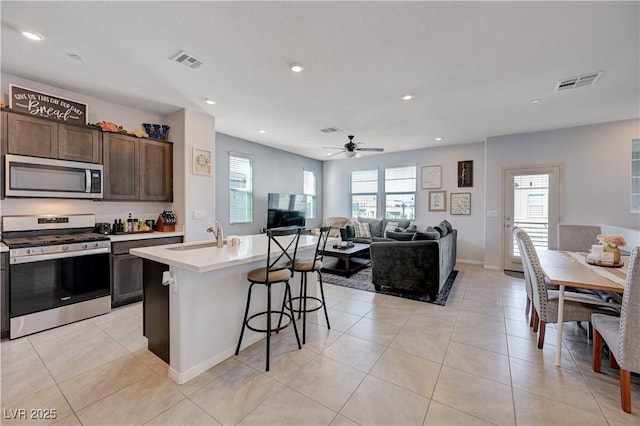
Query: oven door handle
[52, 256]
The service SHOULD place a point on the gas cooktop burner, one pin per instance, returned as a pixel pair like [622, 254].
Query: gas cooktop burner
[50, 240]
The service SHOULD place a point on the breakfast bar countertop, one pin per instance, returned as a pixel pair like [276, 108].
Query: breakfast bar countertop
[204, 256]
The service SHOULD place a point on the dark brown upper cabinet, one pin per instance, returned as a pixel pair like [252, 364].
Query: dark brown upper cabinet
[39, 137]
[137, 169]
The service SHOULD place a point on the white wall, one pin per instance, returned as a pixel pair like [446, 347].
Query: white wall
[98, 110]
[470, 227]
[274, 170]
[199, 189]
[596, 163]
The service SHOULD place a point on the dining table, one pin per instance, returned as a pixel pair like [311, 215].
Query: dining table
[571, 269]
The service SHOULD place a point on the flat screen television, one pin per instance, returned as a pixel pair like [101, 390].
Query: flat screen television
[286, 210]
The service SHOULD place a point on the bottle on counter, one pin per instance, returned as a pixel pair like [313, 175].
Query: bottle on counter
[114, 227]
[129, 227]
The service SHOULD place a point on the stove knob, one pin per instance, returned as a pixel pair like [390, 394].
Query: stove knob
[96, 245]
[44, 250]
[29, 251]
[85, 246]
[65, 248]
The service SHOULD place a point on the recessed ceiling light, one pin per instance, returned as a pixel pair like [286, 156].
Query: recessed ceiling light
[296, 67]
[439, 138]
[535, 101]
[210, 101]
[407, 97]
[32, 35]
[262, 131]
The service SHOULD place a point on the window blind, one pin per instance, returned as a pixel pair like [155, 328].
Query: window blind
[240, 189]
[309, 177]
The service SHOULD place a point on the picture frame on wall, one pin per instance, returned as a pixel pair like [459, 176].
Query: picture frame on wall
[201, 162]
[437, 201]
[431, 177]
[465, 174]
[460, 203]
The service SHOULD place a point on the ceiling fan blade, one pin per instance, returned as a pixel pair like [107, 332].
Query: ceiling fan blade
[331, 154]
[370, 149]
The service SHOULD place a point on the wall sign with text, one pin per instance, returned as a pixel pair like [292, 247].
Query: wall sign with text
[44, 105]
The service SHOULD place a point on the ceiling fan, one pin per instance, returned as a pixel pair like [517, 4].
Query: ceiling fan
[351, 149]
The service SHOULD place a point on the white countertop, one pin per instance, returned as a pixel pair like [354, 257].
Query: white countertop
[3, 248]
[205, 256]
[143, 236]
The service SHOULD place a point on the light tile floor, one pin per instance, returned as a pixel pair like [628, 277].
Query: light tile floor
[385, 361]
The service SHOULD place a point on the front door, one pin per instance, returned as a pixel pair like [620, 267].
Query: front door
[532, 202]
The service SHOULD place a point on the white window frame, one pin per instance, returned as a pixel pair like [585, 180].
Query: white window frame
[635, 176]
[249, 213]
[374, 194]
[386, 193]
[312, 199]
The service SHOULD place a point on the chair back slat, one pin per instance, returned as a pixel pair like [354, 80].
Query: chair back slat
[281, 255]
[322, 243]
[629, 342]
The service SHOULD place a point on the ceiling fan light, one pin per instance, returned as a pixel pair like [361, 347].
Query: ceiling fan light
[350, 154]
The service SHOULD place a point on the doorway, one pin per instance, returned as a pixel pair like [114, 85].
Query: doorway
[531, 202]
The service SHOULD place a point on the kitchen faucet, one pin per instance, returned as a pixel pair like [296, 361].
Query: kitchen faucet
[217, 233]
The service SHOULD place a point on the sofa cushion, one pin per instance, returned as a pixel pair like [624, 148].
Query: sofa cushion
[411, 228]
[391, 227]
[441, 229]
[447, 225]
[400, 236]
[426, 235]
[403, 223]
[349, 232]
[376, 226]
[362, 230]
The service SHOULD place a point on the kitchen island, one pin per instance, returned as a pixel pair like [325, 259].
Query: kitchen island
[207, 293]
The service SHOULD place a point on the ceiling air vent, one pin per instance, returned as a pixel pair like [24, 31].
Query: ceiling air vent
[188, 60]
[331, 130]
[575, 82]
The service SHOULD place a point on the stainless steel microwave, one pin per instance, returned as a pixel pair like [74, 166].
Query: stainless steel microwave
[45, 177]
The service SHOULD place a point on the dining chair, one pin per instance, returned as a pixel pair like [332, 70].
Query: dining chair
[530, 309]
[282, 247]
[545, 301]
[622, 335]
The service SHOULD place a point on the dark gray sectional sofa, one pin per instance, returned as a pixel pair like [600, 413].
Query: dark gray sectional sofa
[407, 259]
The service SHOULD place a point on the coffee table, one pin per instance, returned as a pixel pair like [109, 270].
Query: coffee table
[350, 260]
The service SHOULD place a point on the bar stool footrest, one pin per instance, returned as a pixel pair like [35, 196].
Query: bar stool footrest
[317, 299]
[264, 330]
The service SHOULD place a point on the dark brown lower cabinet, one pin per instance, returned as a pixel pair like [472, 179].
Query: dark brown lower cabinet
[126, 269]
[4, 295]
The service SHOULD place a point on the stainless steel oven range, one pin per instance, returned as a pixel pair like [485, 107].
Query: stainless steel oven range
[58, 271]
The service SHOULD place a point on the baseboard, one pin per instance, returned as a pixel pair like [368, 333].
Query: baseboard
[471, 262]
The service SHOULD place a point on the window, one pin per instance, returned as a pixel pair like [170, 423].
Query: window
[310, 192]
[364, 193]
[240, 189]
[635, 176]
[400, 193]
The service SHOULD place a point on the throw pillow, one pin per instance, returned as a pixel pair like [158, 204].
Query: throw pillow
[411, 228]
[447, 225]
[400, 236]
[362, 229]
[426, 235]
[349, 232]
[441, 229]
[391, 227]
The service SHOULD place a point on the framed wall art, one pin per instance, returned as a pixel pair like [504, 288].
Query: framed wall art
[431, 177]
[201, 162]
[465, 174]
[437, 201]
[460, 203]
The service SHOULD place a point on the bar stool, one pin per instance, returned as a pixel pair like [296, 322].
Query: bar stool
[311, 265]
[280, 242]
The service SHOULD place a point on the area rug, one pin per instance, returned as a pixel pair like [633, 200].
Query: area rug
[362, 281]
